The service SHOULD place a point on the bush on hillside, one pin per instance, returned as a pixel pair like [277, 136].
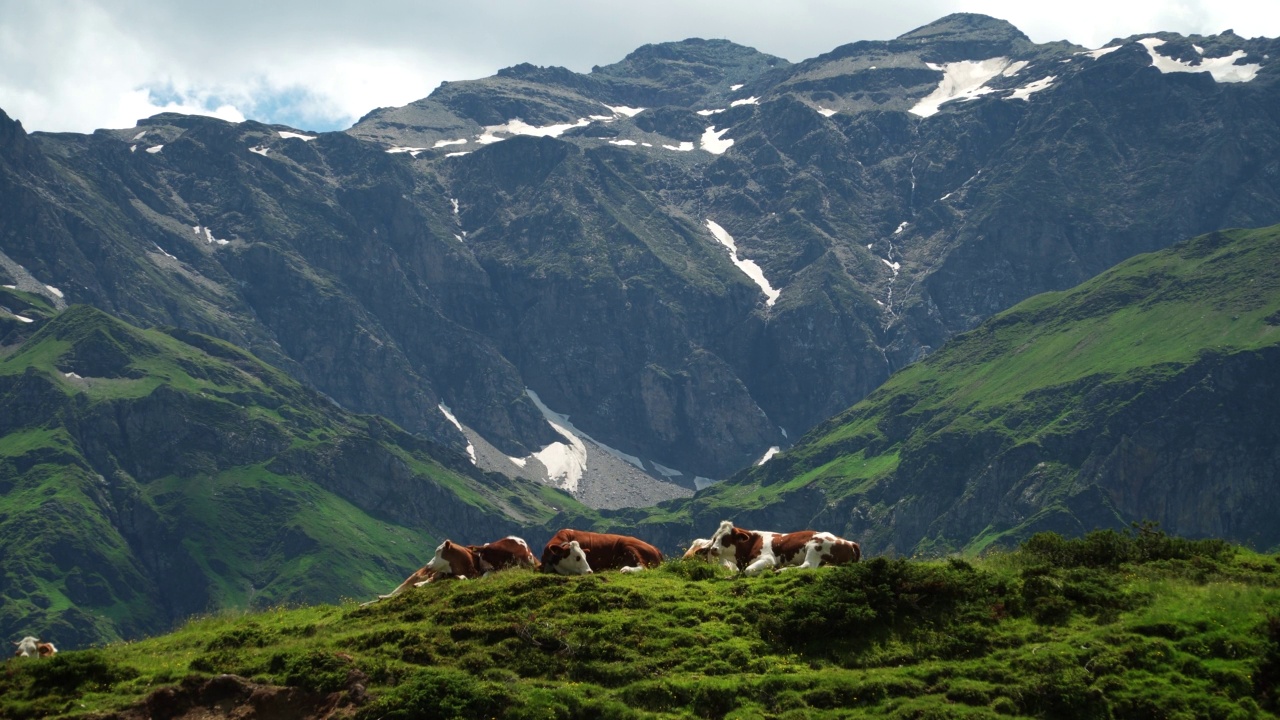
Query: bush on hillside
[1142, 543]
[866, 602]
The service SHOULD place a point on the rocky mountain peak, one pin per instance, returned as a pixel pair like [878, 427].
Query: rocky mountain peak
[965, 36]
[712, 52]
[15, 145]
[967, 27]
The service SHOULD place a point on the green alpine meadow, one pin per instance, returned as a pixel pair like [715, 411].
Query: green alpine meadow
[1114, 624]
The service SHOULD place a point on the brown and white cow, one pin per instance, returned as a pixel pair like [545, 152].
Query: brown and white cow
[827, 549]
[754, 551]
[32, 647]
[577, 552]
[700, 549]
[460, 562]
[697, 550]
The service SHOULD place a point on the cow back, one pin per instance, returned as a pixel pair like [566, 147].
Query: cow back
[606, 551]
[789, 548]
[509, 552]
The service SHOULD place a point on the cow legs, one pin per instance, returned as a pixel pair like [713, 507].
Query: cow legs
[764, 563]
[639, 562]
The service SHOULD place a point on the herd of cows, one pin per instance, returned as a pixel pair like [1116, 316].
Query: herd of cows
[579, 552]
[31, 647]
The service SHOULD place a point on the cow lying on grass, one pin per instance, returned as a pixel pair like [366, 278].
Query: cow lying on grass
[579, 552]
[754, 551]
[32, 647]
[468, 561]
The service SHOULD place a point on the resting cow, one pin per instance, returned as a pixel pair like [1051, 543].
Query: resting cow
[697, 550]
[32, 647]
[827, 549]
[468, 561]
[754, 551]
[577, 552]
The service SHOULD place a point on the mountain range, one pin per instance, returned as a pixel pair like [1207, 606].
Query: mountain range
[628, 284]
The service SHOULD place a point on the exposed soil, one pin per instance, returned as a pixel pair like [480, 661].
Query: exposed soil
[234, 697]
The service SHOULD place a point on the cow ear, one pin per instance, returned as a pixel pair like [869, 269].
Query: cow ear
[740, 535]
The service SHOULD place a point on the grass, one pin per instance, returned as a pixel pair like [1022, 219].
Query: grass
[1113, 625]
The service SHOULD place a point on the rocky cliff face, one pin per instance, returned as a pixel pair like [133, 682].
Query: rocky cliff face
[695, 254]
[1146, 394]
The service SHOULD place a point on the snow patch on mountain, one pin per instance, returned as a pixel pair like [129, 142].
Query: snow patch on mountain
[1024, 92]
[304, 138]
[753, 100]
[208, 235]
[624, 110]
[826, 112]
[260, 150]
[1223, 69]
[963, 80]
[155, 149]
[413, 151]
[1014, 68]
[565, 461]
[748, 267]
[705, 113]
[768, 455]
[520, 127]
[712, 143]
[471, 449]
[683, 147]
[447, 143]
[624, 143]
[667, 472]
[1095, 54]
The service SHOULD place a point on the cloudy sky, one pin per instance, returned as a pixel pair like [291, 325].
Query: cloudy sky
[77, 65]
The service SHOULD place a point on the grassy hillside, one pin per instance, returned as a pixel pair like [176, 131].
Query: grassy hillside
[1146, 393]
[149, 475]
[1116, 625]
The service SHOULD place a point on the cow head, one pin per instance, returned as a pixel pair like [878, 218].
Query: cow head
[27, 647]
[566, 559]
[453, 559]
[725, 541]
[698, 550]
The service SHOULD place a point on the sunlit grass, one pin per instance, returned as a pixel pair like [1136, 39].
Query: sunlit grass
[1110, 626]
